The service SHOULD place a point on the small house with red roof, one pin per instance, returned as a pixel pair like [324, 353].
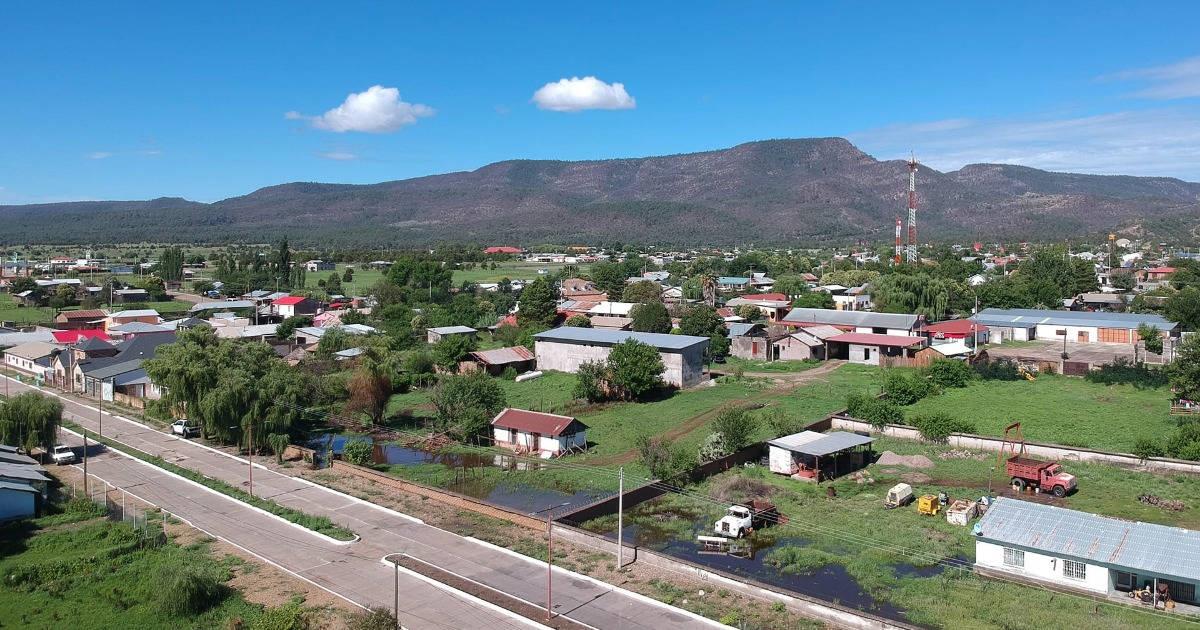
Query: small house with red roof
[543, 434]
[874, 349]
[86, 318]
[294, 305]
[1157, 274]
[502, 249]
[68, 337]
[956, 329]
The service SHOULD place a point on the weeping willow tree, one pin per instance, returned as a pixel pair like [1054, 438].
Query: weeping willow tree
[30, 420]
[920, 294]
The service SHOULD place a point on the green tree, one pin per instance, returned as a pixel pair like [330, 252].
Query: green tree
[465, 404]
[651, 317]
[748, 312]
[538, 306]
[452, 349]
[283, 262]
[736, 426]
[664, 461]
[170, 264]
[64, 296]
[30, 420]
[334, 340]
[591, 381]
[1185, 370]
[634, 368]
[1151, 336]
[369, 389]
[642, 292]
[289, 325]
[703, 321]
[333, 286]
[348, 275]
[1184, 308]
[609, 277]
[813, 299]
[578, 321]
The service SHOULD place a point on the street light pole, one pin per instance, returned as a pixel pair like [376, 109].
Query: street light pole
[550, 556]
[620, 517]
[250, 457]
[85, 472]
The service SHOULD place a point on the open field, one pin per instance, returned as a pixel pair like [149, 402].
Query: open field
[874, 545]
[511, 269]
[364, 279]
[10, 311]
[1060, 410]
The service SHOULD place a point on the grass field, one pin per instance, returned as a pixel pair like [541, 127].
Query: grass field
[1059, 410]
[10, 311]
[511, 269]
[78, 570]
[853, 529]
[364, 279]
[753, 365]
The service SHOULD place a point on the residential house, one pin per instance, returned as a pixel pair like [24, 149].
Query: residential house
[502, 249]
[852, 299]
[436, 334]
[956, 329]
[314, 266]
[294, 305]
[120, 377]
[129, 296]
[68, 337]
[612, 309]
[1086, 552]
[545, 435]
[495, 362]
[308, 335]
[17, 500]
[805, 344]
[565, 349]
[1022, 324]
[874, 349]
[810, 279]
[733, 284]
[222, 305]
[773, 306]
[87, 318]
[1111, 302]
[580, 289]
[131, 329]
[855, 321]
[32, 359]
[611, 322]
[145, 316]
[726, 313]
[31, 475]
[1157, 274]
[63, 374]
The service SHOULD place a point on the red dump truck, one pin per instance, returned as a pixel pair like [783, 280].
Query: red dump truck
[1048, 476]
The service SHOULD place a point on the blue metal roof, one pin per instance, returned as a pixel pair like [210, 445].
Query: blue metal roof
[606, 337]
[733, 280]
[1029, 317]
[1143, 547]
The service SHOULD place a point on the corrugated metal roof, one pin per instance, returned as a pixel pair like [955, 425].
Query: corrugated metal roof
[737, 329]
[604, 337]
[501, 356]
[870, 339]
[833, 317]
[823, 444]
[1168, 551]
[137, 312]
[823, 332]
[548, 424]
[1028, 317]
[452, 330]
[224, 305]
[17, 486]
[32, 350]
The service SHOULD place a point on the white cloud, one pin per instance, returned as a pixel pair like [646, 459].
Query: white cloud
[1160, 142]
[340, 156]
[99, 155]
[576, 94]
[1176, 80]
[377, 110]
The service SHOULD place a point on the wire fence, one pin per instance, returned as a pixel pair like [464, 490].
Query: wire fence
[120, 506]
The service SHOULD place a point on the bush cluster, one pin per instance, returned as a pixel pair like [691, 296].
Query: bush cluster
[1125, 371]
[937, 427]
[877, 411]
[905, 387]
[947, 373]
[998, 370]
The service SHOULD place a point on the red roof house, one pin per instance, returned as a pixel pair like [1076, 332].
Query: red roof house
[502, 249]
[293, 305]
[873, 349]
[955, 329]
[69, 337]
[544, 434]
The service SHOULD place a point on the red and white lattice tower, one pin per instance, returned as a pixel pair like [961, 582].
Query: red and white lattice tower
[912, 210]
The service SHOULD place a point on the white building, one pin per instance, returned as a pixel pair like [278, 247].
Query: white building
[565, 349]
[542, 434]
[33, 358]
[1086, 552]
[1021, 324]
[855, 321]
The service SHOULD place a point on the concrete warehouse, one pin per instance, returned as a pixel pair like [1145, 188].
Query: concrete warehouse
[1023, 324]
[565, 349]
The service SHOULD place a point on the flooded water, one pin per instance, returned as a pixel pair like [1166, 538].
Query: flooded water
[513, 494]
[676, 537]
[911, 570]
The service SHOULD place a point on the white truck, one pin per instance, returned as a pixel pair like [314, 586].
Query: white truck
[184, 428]
[740, 520]
[62, 455]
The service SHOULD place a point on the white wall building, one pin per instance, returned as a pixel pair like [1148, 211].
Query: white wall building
[1020, 324]
[565, 349]
[543, 434]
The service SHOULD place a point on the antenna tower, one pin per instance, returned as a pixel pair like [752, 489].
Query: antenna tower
[912, 209]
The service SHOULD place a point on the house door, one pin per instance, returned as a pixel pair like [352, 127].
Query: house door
[512, 436]
[1082, 337]
[866, 354]
[754, 349]
[535, 441]
[774, 353]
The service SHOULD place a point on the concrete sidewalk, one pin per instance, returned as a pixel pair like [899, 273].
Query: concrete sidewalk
[384, 532]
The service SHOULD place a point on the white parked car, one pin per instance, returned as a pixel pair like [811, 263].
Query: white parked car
[184, 428]
[62, 454]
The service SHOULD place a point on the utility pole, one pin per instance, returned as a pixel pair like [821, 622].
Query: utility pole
[250, 456]
[396, 592]
[101, 408]
[620, 517]
[549, 563]
[85, 472]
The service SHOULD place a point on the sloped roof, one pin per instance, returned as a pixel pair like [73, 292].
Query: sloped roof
[605, 337]
[822, 444]
[137, 312]
[833, 317]
[224, 305]
[1028, 317]
[823, 332]
[290, 300]
[32, 350]
[74, 336]
[869, 339]
[452, 330]
[955, 327]
[1170, 551]
[138, 327]
[548, 424]
[87, 314]
[502, 356]
[738, 329]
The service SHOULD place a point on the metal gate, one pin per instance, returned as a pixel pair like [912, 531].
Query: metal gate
[1075, 368]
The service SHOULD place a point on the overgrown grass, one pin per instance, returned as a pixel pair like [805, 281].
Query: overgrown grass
[754, 365]
[1059, 410]
[320, 524]
[511, 269]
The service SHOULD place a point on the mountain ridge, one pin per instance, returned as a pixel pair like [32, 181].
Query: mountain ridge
[766, 191]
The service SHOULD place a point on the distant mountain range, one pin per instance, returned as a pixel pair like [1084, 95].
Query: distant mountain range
[804, 192]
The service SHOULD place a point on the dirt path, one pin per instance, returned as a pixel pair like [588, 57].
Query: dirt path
[792, 381]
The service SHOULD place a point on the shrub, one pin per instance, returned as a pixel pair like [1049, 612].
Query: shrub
[634, 369]
[664, 461]
[590, 381]
[420, 365]
[651, 317]
[290, 616]
[452, 349]
[873, 410]
[937, 427]
[736, 426]
[373, 619]
[998, 370]
[466, 404]
[905, 387]
[1145, 448]
[188, 591]
[1124, 371]
[950, 373]
[578, 321]
[358, 452]
[781, 424]
[1184, 443]
[714, 448]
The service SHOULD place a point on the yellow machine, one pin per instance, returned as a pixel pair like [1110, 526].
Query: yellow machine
[1027, 372]
[928, 504]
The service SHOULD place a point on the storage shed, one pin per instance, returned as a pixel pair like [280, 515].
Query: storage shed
[1023, 324]
[813, 456]
[565, 349]
[544, 434]
[434, 335]
[17, 500]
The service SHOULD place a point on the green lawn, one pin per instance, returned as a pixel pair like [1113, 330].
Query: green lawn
[363, 280]
[10, 311]
[74, 570]
[754, 365]
[853, 529]
[1060, 410]
[511, 269]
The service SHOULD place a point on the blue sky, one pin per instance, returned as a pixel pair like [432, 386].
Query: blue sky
[209, 100]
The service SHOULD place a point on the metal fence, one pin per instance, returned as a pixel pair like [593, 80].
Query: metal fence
[119, 505]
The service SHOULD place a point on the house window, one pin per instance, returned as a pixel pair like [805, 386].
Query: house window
[1014, 557]
[1074, 570]
[1126, 581]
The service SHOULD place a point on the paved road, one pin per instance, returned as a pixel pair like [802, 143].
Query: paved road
[355, 571]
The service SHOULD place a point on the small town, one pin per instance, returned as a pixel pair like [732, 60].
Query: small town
[813, 328]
